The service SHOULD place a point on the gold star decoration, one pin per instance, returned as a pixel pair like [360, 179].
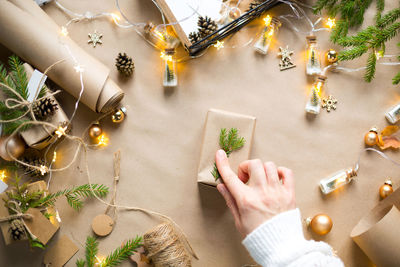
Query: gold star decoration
[94, 38]
[329, 103]
[286, 60]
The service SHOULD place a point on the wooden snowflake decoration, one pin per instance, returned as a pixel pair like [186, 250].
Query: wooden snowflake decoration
[329, 103]
[95, 38]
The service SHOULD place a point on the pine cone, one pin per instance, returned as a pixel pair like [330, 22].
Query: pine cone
[206, 26]
[34, 172]
[124, 64]
[17, 229]
[254, 4]
[194, 37]
[44, 108]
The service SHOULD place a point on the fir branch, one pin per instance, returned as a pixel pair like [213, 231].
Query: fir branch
[229, 142]
[80, 263]
[19, 76]
[389, 18]
[380, 6]
[123, 253]
[396, 79]
[371, 67]
[92, 247]
[353, 53]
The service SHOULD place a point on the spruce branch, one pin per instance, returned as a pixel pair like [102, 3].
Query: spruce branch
[80, 263]
[229, 142]
[371, 67]
[389, 18]
[18, 74]
[396, 79]
[92, 247]
[353, 53]
[123, 253]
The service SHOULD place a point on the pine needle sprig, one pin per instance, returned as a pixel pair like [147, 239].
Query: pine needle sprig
[124, 252]
[229, 142]
[18, 74]
[371, 67]
[80, 263]
[92, 247]
[389, 18]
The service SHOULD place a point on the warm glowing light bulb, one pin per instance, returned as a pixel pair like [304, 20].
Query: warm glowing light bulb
[115, 17]
[100, 260]
[54, 156]
[267, 20]
[64, 31]
[164, 56]
[60, 131]
[379, 54]
[102, 140]
[219, 45]
[43, 169]
[78, 68]
[3, 175]
[337, 180]
[331, 22]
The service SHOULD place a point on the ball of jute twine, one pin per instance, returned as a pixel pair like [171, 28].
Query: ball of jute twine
[165, 248]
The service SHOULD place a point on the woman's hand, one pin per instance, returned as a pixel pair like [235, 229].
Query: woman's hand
[258, 193]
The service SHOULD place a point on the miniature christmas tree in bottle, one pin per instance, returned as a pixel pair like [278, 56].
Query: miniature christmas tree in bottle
[271, 28]
[393, 114]
[313, 56]
[170, 72]
[313, 105]
[336, 180]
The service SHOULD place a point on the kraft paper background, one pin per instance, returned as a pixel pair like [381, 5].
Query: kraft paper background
[160, 139]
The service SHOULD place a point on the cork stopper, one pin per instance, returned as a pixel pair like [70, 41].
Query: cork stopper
[170, 51]
[311, 39]
[351, 173]
[321, 78]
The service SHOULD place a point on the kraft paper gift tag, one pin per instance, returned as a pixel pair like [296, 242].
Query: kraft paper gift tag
[40, 226]
[25, 29]
[60, 253]
[215, 121]
[377, 233]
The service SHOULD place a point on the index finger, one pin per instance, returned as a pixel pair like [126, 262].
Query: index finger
[232, 182]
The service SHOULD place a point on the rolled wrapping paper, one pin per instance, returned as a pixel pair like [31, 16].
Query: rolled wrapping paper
[27, 31]
[378, 234]
[217, 119]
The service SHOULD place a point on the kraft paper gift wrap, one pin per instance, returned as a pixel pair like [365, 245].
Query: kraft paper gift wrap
[40, 136]
[215, 121]
[38, 40]
[378, 234]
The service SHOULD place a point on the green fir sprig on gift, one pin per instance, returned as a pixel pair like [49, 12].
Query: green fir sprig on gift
[371, 40]
[114, 259]
[229, 142]
[17, 79]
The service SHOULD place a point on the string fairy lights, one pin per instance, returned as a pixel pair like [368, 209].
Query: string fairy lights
[3, 185]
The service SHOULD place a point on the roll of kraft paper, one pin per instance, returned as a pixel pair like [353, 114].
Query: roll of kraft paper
[26, 30]
[378, 234]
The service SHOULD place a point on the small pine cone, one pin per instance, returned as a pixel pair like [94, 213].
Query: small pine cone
[254, 4]
[194, 37]
[124, 64]
[34, 172]
[206, 26]
[44, 108]
[17, 229]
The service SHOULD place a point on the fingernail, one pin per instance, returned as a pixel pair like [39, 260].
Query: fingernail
[221, 154]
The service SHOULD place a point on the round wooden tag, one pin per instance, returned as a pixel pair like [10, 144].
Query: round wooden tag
[102, 225]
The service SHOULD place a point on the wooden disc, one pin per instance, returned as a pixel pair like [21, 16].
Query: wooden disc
[102, 225]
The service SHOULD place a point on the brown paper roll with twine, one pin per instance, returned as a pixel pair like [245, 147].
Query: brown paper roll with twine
[27, 31]
[165, 247]
[378, 234]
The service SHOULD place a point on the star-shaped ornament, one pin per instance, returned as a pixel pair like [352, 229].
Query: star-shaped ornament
[329, 103]
[286, 60]
[94, 38]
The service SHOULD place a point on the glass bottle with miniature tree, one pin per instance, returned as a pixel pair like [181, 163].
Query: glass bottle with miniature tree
[170, 71]
[270, 30]
[337, 180]
[313, 65]
[393, 114]
[313, 105]
[161, 37]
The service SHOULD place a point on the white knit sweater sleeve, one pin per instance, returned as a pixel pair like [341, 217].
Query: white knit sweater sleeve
[279, 242]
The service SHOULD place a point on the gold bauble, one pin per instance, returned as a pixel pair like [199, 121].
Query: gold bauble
[321, 224]
[15, 146]
[119, 115]
[386, 189]
[332, 56]
[371, 138]
[95, 131]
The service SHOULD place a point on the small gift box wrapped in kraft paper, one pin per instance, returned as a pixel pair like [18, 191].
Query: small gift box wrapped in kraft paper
[26, 30]
[378, 234]
[39, 136]
[44, 229]
[215, 121]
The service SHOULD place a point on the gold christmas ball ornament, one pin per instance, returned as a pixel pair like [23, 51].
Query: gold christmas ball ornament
[15, 146]
[321, 224]
[95, 131]
[332, 56]
[371, 138]
[119, 115]
[386, 189]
